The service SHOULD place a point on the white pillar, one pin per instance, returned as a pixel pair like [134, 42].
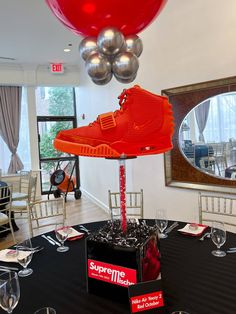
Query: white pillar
[33, 134]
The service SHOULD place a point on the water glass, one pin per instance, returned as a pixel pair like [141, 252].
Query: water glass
[218, 236]
[24, 257]
[45, 310]
[62, 231]
[161, 222]
[9, 291]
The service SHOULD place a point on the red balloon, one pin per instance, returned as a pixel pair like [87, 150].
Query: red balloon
[89, 17]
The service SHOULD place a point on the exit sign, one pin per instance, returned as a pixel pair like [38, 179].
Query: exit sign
[56, 68]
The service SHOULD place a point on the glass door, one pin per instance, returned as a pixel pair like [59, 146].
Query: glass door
[55, 112]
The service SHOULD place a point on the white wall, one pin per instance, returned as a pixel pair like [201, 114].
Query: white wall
[190, 42]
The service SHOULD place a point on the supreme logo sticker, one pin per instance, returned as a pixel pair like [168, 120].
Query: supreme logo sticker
[146, 302]
[113, 274]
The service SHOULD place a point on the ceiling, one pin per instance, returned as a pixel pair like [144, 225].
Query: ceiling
[32, 35]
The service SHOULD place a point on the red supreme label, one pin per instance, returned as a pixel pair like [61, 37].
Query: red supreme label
[114, 274]
[146, 301]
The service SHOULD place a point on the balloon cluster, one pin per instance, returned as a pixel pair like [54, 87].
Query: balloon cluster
[110, 53]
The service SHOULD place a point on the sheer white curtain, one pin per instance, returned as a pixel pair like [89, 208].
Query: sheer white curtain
[23, 146]
[201, 115]
[221, 122]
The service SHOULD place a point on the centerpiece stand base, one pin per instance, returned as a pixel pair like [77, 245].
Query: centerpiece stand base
[116, 260]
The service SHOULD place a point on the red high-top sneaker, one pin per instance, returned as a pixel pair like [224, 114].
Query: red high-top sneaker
[143, 126]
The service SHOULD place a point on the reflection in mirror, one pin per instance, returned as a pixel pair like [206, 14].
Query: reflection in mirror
[207, 136]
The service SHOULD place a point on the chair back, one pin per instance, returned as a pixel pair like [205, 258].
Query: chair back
[189, 152]
[24, 181]
[5, 197]
[207, 162]
[32, 188]
[217, 207]
[45, 213]
[134, 204]
[5, 210]
[220, 155]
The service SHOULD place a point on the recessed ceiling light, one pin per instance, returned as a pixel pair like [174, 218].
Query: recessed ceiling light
[67, 50]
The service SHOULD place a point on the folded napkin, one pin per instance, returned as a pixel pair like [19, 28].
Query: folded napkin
[188, 230]
[9, 255]
[73, 234]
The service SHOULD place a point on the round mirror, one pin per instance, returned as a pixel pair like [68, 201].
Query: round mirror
[207, 136]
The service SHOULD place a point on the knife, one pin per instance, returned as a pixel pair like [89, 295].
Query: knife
[50, 241]
[57, 243]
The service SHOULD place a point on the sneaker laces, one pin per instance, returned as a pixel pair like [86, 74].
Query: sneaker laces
[122, 100]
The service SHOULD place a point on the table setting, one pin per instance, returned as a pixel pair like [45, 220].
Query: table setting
[190, 272]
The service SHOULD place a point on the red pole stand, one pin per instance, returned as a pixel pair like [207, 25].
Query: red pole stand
[122, 174]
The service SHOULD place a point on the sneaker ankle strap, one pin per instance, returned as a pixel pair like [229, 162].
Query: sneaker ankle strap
[107, 120]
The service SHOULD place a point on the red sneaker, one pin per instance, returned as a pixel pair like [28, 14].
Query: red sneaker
[143, 126]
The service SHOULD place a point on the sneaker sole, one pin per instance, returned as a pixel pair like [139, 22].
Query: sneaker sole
[112, 151]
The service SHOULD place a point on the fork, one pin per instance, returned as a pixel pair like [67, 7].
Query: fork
[31, 249]
[171, 227]
[231, 251]
[38, 250]
[84, 229]
[206, 235]
[5, 268]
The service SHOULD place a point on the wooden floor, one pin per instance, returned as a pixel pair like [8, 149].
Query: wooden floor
[78, 212]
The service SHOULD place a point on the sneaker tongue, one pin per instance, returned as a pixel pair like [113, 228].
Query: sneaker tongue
[123, 96]
[123, 106]
[94, 122]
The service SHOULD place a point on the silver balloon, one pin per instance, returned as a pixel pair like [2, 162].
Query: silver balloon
[103, 81]
[134, 44]
[110, 41]
[98, 66]
[88, 46]
[125, 65]
[127, 80]
[123, 48]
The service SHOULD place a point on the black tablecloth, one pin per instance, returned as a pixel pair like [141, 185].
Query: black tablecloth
[193, 279]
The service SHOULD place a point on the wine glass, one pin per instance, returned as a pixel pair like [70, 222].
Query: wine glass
[62, 231]
[24, 257]
[161, 222]
[218, 236]
[9, 291]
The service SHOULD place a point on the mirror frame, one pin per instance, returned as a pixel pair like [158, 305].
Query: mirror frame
[179, 173]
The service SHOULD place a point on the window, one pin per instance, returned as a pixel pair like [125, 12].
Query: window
[55, 112]
[221, 122]
[55, 101]
[23, 146]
